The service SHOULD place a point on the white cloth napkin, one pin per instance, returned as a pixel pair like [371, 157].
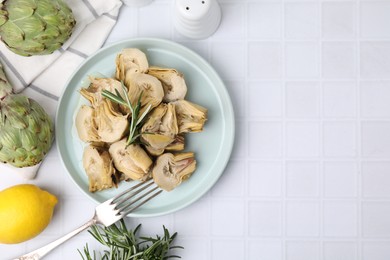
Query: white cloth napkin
[47, 74]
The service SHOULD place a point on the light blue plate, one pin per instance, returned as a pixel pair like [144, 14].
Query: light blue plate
[212, 147]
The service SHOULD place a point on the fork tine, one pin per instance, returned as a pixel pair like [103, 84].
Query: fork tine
[114, 200]
[152, 195]
[128, 194]
[131, 202]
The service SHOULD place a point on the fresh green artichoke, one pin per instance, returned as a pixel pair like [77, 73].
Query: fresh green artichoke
[35, 27]
[26, 131]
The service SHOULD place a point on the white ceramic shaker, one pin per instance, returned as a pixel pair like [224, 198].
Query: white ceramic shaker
[196, 19]
[136, 3]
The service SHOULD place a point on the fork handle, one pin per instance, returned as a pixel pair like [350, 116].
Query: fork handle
[40, 252]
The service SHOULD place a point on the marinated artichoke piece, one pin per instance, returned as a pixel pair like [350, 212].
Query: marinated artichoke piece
[177, 144]
[85, 124]
[173, 83]
[149, 86]
[161, 128]
[130, 60]
[99, 169]
[94, 91]
[35, 27]
[191, 117]
[170, 170]
[131, 160]
[110, 125]
[154, 152]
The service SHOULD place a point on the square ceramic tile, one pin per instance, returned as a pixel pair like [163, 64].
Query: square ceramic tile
[302, 179]
[230, 69]
[261, 249]
[373, 15]
[339, 99]
[339, 20]
[375, 60]
[340, 219]
[375, 139]
[195, 248]
[302, 20]
[376, 250]
[232, 23]
[223, 214]
[264, 60]
[265, 99]
[339, 60]
[265, 179]
[375, 219]
[302, 60]
[376, 179]
[302, 99]
[302, 218]
[375, 98]
[265, 20]
[264, 218]
[340, 250]
[340, 139]
[340, 179]
[160, 29]
[302, 139]
[266, 140]
[228, 249]
[230, 180]
[198, 214]
[298, 250]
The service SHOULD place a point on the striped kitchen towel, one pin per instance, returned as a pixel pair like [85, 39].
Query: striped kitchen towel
[44, 77]
[48, 74]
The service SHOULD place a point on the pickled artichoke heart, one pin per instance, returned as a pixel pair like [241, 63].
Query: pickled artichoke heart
[191, 117]
[35, 27]
[170, 170]
[160, 128]
[130, 60]
[131, 160]
[99, 168]
[26, 130]
[111, 126]
[149, 86]
[175, 87]
[177, 144]
[85, 125]
[94, 90]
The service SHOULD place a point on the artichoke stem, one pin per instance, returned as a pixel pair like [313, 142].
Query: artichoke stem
[5, 86]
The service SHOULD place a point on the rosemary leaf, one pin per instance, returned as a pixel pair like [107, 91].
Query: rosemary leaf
[124, 244]
[136, 120]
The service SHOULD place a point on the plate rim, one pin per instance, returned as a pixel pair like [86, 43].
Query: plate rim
[223, 94]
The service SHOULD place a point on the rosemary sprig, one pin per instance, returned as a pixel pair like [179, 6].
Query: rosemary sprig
[124, 244]
[136, 119]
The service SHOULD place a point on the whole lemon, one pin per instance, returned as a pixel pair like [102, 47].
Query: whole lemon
[25, 211]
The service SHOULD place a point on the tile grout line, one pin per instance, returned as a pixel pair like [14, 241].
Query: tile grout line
[321, 136]
[359, 242]
[284, 134]
[246, 111]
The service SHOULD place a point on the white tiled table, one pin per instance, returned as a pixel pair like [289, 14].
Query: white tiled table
[309, 178]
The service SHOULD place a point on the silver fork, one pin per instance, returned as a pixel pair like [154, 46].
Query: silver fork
[106, 214]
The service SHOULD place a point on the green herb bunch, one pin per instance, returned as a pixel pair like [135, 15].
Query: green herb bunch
[124, 244]
[136, 118]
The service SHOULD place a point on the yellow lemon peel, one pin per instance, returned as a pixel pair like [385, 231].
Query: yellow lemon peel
[25, 211]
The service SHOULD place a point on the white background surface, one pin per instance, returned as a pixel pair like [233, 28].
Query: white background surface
[309, 178]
